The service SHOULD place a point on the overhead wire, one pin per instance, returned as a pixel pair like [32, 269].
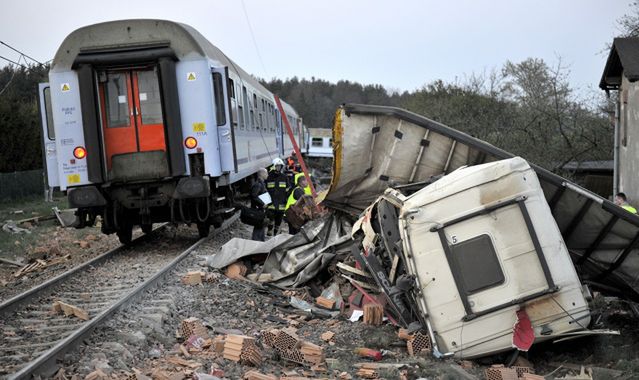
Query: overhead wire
[14, 62]
[248, 21]
[11, 79]
[21, 53]
[257, 50]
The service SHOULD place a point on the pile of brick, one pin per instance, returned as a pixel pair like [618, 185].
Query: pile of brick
[416, 343]
[193, 326]
[292, 348]
[373, 314]
[242, 348]
[500, 372]
[367, 373]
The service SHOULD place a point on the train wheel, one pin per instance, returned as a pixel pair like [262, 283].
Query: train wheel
[203, 229]
[125, 233]
[147, 228]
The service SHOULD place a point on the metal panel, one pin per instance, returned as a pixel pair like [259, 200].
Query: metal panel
[195, 89]
[50, 157]
[172, 118]
[90, 123]
[67, 119]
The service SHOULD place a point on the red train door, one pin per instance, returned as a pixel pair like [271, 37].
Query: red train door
[131, 112]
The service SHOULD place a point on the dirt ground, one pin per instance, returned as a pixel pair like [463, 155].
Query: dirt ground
[45, 240]
[143, 337]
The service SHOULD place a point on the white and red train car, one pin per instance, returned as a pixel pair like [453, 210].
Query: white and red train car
[146, 121]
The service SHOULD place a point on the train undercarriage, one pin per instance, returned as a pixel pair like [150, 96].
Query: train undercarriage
[141, 204]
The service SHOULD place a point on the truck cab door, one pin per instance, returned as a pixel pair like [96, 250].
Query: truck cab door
[50, 156]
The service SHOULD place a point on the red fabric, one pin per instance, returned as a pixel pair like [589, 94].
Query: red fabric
[523, 333]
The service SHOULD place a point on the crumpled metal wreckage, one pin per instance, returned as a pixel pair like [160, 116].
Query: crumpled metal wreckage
[462, 239]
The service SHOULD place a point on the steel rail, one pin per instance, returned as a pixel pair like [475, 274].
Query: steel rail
[10, 304]
[45, 363]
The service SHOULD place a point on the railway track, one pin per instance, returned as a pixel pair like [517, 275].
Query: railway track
[34, 336]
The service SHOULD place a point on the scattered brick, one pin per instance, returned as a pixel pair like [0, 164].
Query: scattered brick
[373, 314]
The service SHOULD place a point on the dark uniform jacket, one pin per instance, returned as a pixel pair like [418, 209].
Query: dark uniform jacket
[257, 189]
[277, 186]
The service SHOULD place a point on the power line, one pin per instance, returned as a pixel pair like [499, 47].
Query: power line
[253, 37]
[12, 76]
[19, 52]
[14, 62]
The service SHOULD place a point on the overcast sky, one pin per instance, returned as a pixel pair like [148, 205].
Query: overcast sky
[399, 44]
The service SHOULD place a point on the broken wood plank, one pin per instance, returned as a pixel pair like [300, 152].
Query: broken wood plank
[183, 362]
[325, 302]
[7, 261]
[68, 309]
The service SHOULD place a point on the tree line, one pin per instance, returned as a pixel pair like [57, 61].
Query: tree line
[527, 108]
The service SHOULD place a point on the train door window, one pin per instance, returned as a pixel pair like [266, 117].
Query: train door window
[252, 120]
[218, 90]
[47, 110]
[117, 100]
[241, 116]
[149, 97]
[261, 121]
[317, 142]
[231, 89]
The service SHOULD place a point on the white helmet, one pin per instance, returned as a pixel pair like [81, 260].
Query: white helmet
[278, 161]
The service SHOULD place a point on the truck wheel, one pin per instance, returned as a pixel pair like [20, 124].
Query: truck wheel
[125, 233]
[203, 229]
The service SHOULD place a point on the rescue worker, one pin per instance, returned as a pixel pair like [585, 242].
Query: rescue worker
[622, 201]
[307, 189]
[290, 162]
[277, 185]
[296, 194]
[258, 188]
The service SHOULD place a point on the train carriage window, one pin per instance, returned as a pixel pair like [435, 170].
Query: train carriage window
[241, 116]
[47, 111]
[231, 88]
[317, 142]
[245, 102]
[254, 101]
[218, 91]
[149, 95]
[116, 100]
[252, 121]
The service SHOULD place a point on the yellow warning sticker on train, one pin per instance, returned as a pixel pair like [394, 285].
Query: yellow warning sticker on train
[73, 178]
[190, 76]
[65, 87]
[199, 127]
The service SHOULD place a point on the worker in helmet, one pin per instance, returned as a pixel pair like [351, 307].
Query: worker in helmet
[277, 185]
[296, 194]
[622, 201]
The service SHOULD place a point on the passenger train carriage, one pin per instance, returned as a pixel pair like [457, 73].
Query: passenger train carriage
[146, 121]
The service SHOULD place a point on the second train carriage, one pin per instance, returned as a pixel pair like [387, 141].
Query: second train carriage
[146, 121]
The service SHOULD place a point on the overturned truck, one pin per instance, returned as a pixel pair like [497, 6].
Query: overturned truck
[464, 238]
